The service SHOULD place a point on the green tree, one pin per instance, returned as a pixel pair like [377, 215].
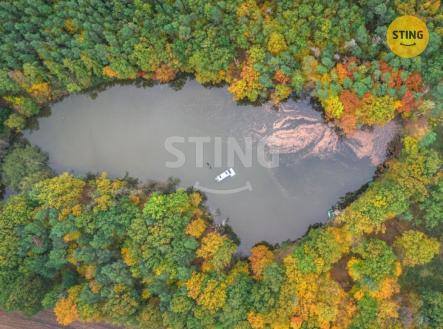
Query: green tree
[415, 248]
[432, 308]
[376, 261]
[432, 209]
[23, 166]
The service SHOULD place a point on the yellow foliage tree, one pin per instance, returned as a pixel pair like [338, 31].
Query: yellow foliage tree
[387, 311]
[376, 110]
[40, 91]
[256, 320]
[109, 72]
[71, 236]
[196, 228]
[195, 199]
[213, 296]
[66, 310]
[415, 248]
[276, 43]
[105, 190]
[70, 25]
[61, 192]
[280, 93]
[333, 107]
[194, 285]
[127, 256]
[216, 250]
[387, 288]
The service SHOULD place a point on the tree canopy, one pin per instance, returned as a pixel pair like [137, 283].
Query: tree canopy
[100, 249]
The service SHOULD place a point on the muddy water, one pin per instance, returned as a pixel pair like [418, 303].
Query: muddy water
[145, 132]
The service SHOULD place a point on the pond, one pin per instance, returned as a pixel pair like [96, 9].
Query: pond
[290, 166]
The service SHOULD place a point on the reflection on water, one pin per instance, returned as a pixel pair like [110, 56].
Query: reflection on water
[125, 128]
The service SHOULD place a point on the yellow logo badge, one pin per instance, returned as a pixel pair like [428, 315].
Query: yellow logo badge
[407, 36]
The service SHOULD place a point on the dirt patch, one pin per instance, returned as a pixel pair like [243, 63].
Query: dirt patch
[43, 320]
[394, 228]
[340, 273]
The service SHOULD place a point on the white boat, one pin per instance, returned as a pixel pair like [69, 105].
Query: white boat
[225, 174]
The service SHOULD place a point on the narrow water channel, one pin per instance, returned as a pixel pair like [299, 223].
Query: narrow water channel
[147, 132]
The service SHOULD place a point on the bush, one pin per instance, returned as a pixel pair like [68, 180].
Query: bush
[4, 114]
[432, 309]
[23, 166]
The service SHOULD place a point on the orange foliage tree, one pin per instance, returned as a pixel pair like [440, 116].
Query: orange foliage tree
[260, 257]
[164, 73]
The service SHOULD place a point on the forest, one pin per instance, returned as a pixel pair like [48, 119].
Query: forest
[140, 255]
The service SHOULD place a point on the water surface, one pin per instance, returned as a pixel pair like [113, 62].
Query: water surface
[124, 130]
